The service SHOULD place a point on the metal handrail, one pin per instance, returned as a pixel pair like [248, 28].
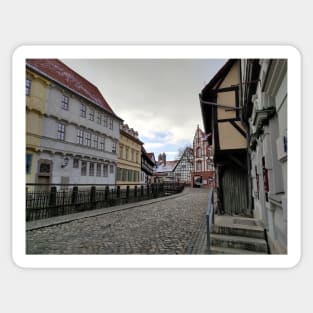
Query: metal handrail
[210, 217]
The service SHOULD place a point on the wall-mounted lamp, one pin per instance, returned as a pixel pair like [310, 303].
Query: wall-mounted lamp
[65, 162]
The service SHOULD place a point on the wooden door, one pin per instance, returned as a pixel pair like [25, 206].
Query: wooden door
[235, 191]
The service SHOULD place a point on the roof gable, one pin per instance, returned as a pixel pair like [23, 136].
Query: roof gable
[65, 76]
[218, 77]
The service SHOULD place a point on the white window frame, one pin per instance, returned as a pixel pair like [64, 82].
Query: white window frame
[61, 131]
[65, 102]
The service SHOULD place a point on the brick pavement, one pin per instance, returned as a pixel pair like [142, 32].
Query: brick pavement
[165, 226]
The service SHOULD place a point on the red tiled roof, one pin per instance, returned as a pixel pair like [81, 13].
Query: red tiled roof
[62, 74]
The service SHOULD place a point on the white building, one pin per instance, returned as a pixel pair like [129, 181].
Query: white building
[80, 131]
[266, 107]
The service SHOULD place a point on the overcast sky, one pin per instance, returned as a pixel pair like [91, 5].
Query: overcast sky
[157, 98]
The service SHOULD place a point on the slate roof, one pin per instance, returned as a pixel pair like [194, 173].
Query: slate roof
[169, 167]
[60, 73]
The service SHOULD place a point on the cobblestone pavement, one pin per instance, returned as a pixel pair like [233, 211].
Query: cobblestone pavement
[174, 226]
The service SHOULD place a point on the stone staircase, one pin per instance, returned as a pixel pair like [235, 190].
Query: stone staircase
[237, 235]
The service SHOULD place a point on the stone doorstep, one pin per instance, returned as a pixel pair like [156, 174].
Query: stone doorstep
[239, 230]
[219, 250]
[238, 242]
[236, 220]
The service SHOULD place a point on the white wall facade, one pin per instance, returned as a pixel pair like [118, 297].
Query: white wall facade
[269, 157]
[99, 151]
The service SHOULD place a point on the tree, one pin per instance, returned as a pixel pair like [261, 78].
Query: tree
[187, 152]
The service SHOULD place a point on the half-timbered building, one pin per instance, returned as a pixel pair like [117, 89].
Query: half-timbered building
[184, 167]
[221, 113]
[147, 166]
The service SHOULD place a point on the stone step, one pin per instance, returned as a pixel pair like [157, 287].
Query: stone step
[238, 242]
[239, 230]
[219, 250]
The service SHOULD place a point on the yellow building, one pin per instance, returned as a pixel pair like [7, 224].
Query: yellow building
[36, 92]
[129, 157]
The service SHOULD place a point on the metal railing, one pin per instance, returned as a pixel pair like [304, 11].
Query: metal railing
[67, 199]
[210, 218]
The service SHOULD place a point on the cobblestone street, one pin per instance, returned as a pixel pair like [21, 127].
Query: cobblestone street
[171, 226]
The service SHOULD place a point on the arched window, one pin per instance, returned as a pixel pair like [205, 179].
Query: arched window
[199, 152]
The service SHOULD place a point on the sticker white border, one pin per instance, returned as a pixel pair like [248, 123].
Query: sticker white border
[146, 52]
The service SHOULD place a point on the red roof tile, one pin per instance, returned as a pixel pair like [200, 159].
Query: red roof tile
[62, 74]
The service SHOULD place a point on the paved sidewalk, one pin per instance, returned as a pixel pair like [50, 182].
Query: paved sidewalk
[169, 225]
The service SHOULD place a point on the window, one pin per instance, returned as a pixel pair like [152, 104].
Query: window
[121, 152]
[114, 147]
[130, 175]
[105, 121]
[111, 169]
[199, 152]
[44, 168]
[91, 115]
[28, 86]
[137, 157]
[84, 168]
[105, 170]
[75, 163]
[133, 155]
[126, 154]
[124, 174]
[95, 142]
[199, 166]
[80, 136]
[111, 123]
[102, 144]
[99, 117]
[65, 102]
[87, 139]
[91, 169]
[83, 110]
[98, 169]
[61, 131]
[28, 163]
